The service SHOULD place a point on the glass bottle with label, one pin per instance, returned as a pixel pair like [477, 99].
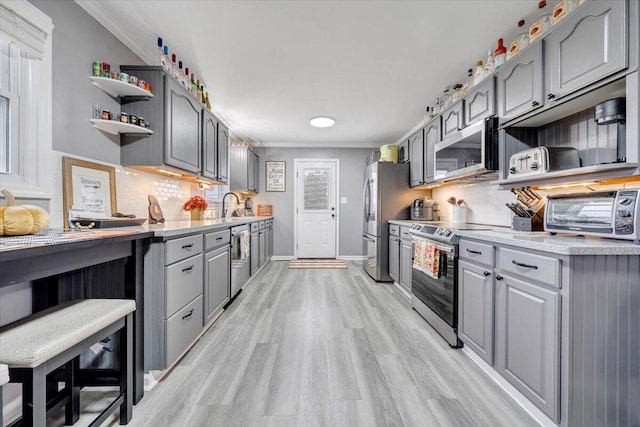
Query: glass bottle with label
[206, 100]
[187, 82]
[175, 72]
[489, 66]
[166, 63]
[183, 78]
[542, 24]
[198, 91]
[500, 54]
[468, 82]
[478, 76]
[446, 98]
[160, 52]
[520, 42]
[562, 9]
[193, 84]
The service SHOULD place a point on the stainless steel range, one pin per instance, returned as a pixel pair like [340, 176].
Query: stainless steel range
[435, 293]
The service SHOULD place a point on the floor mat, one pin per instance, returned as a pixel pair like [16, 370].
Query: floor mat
[317, 264]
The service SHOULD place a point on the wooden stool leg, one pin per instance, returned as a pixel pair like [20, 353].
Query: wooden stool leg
[72, 409]
[126, 370]
[34, 397]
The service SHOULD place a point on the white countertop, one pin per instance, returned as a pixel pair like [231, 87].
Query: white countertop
[561, 244]
[179, 228]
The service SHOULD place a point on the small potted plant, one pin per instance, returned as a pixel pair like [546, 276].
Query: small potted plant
[195, 206]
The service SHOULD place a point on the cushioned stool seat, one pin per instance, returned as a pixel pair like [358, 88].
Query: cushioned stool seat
[38, 345]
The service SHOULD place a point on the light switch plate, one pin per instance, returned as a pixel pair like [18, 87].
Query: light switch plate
[343, 200]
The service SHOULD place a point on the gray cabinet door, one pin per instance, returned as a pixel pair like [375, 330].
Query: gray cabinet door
[416, 168]
[209, 145]
[403, 152]
[589, 45]
[263, 247]
[475, 309]
[481, 102]
[256, 173]
[223, 153]
[252, 171]
[255, 252]
[217, 282]
[431, 138]
[452, 120]
[406, 256]
[394, 258]
[528, 341]
[520, 87]
[183, 128]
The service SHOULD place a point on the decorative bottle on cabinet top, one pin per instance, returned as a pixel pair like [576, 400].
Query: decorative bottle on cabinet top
[520, 42]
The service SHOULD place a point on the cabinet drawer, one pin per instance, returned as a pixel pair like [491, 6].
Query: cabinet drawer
[404, 233]
[216, 239]
[179, 249]
[477, 252]
[182, 328]
[535, 267]
[254, 226]
[394, 229]
[183, 281]
[261, 225]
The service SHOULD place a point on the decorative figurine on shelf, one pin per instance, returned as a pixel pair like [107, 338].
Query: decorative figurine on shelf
[18, 220]
[195, 206]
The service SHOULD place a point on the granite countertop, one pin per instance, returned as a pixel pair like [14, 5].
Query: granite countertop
[561, 244]
[167, 229]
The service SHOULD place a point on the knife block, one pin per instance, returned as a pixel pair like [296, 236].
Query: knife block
[535, 223]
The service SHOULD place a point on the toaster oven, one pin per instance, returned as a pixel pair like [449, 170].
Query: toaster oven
[614, 214]
[539, 160]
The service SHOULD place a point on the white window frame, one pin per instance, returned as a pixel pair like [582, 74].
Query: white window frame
[31, 178]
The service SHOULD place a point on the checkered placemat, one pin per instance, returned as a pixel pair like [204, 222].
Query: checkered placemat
[52, 238]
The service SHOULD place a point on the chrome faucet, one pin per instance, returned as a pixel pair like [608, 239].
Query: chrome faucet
[224, 211]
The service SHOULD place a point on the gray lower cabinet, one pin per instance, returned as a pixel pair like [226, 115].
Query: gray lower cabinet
[406, 257]
[416, 167]
[217, 281]
[480, 103]
[520, 84]
[589, 45]
[262, 239]
[528, 341]
[255, 252]
[475, 309]
[452, 120]
[394, 258]
[182, 328]
[431, 138]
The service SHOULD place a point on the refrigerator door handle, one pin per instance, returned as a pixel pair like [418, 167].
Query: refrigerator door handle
[367, 200]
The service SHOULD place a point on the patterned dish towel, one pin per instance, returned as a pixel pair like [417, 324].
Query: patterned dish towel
[426, 258]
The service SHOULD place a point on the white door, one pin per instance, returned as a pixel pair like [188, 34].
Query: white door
[316, 208]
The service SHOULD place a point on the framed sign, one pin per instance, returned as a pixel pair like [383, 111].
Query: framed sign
[275, 172]
[89, 188]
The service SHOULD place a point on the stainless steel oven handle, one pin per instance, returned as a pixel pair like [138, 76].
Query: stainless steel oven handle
[442, 247]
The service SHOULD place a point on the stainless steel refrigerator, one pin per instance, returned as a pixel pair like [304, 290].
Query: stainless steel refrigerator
[387, 195]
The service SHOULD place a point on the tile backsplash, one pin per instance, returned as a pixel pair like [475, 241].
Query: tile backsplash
[132, 188]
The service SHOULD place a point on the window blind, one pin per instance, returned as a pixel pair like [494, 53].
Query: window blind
[25, 35]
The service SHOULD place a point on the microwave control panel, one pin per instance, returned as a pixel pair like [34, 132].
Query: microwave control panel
[626, 204]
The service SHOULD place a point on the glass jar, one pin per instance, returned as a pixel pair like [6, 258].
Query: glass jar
[542, 24]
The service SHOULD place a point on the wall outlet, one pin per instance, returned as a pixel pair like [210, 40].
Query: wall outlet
[343, 200]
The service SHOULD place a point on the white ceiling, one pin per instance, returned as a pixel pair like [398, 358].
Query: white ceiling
[272, 65]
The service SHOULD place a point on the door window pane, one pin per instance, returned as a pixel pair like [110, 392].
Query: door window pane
[316, 189]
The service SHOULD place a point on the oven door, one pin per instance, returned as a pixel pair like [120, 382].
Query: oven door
[239, 261]
[439, 295]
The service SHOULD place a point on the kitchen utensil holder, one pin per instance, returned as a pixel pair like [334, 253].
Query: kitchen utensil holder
[459, 214]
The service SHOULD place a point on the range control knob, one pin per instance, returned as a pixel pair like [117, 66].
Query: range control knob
[624, 213]
[626, 201]
[447, 233]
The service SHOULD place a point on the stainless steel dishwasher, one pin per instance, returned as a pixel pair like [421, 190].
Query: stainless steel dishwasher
[240, 267]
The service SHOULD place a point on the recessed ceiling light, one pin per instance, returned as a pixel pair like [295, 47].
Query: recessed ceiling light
[322, 122]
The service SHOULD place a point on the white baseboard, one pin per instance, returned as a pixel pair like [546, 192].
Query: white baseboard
[518, 397]
[352, 257]
[281, 257]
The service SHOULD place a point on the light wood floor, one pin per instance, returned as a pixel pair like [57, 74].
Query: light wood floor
[324, 348]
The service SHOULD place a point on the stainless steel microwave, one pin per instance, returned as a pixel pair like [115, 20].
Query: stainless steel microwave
[613, 214]
[470, 152]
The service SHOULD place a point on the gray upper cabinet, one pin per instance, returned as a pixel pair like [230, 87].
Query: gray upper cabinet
[475, 310]
[244, 169]
[481, 102]
[403, 152]
[590, 45]
[520, 84]
[183, 128]
[528, 341]
[452, 120]
[416, 148]
[209, 145]
[431, 138]
[223, 153]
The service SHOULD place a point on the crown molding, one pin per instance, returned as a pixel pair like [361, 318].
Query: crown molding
[100, 14]
[259, 144]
